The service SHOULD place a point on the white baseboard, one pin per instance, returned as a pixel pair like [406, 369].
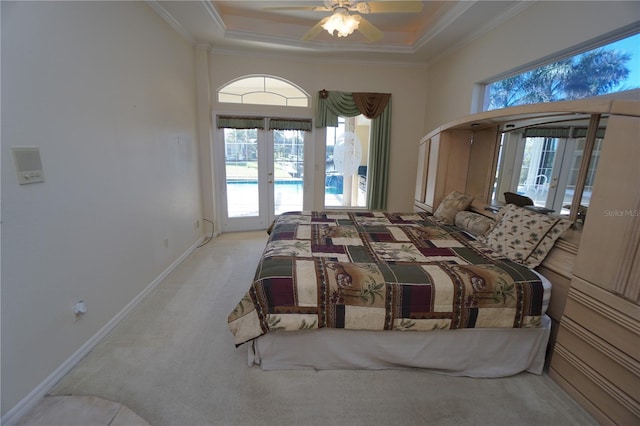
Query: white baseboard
[30, 401]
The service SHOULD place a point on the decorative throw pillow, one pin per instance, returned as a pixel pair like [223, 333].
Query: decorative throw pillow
[473, 223]
[451, 205]
[524, 236]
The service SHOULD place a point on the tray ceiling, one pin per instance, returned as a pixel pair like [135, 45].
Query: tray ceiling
[249, 26]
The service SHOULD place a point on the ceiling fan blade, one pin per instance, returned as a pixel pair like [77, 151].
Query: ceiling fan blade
[309, 8]
[395, 6]
[315, 30]
[369, 30]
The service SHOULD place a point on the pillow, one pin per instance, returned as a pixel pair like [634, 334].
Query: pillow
[451, 205]
[473, 223]
[524, 236]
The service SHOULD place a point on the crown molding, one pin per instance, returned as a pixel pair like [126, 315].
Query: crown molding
[164, 14]
[449, 17]
[490, 25]
[317, 46]
[215, 16]
[398, 63]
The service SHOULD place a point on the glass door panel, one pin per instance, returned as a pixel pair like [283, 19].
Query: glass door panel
[242, 179]
[241, 172]
[537, 166]
[287, 171]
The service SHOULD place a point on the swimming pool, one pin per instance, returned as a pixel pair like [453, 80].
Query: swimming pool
[243, 196]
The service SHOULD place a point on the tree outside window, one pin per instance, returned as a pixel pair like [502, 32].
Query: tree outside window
[608, 69]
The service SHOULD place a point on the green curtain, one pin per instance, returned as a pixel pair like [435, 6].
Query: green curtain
[379, 160]
[335, 104]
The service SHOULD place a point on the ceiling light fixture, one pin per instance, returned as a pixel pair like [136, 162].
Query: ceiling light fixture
[341, 22]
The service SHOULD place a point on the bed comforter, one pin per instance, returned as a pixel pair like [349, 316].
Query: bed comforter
[382, 271]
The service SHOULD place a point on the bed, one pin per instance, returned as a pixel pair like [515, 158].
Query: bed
[377, 290]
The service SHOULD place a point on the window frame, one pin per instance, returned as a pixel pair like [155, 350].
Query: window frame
[480, 93]
[593, 132]
[244, 98]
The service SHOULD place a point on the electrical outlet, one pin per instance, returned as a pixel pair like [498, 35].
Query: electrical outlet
[79, 309]
[166, 243]
[196, 223]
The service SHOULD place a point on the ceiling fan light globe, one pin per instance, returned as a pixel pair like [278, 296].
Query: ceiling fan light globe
[342, 23]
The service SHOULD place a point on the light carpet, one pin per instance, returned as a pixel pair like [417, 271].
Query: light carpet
[172, 361]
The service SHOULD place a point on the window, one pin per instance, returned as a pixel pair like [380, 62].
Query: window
[611, 68]
[263, 90]
[347, 156]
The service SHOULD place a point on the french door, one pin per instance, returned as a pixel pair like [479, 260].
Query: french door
[546, 169]
[261, 175]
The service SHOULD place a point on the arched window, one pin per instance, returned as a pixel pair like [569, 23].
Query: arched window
[263, 90]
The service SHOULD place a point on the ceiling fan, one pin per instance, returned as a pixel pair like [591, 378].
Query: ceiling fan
[344, 23]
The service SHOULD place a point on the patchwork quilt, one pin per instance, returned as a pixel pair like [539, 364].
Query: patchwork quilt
[382, 271]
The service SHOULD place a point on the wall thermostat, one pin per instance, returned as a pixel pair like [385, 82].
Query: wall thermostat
[28, 165]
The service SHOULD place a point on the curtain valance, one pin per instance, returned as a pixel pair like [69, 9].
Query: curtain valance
[371, 105]
[581, 132]
[560, 132]
[546, 132]
[234, 122]
[290, 124]
[330, 105]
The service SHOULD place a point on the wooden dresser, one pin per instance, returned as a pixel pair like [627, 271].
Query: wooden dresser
[597, 352]
[594, 351]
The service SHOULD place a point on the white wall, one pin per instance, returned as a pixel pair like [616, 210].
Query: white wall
[107, 91]
[405, 83]
[541, 30]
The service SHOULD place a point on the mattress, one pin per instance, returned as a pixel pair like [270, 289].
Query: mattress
[482, 353]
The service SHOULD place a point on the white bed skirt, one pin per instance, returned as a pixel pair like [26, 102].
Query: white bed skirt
[477, 352]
